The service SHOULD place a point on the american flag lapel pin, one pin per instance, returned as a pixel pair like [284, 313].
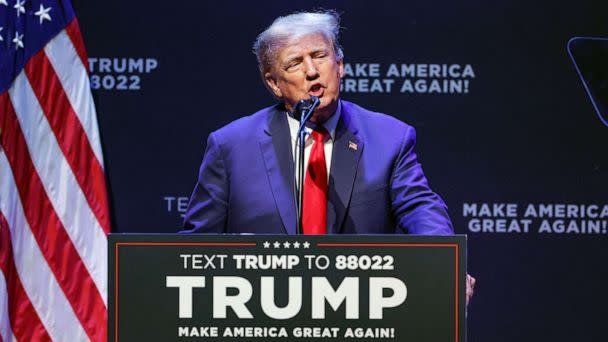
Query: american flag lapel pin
[352, 145]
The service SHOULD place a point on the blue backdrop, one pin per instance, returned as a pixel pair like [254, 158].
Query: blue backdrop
[506, 132]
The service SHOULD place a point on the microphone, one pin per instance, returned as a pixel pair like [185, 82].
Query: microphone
[302, 112]
[305, 108]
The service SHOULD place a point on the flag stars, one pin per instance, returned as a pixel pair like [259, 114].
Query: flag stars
[20, 7]
[43, 14]
[18, 40]
[3, 2]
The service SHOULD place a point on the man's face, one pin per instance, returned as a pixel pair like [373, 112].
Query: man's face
[307, 67]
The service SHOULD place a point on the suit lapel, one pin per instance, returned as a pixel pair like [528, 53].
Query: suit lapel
[275, 146]
[346, 153]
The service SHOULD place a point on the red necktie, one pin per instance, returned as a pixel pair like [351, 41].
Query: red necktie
[314, 214]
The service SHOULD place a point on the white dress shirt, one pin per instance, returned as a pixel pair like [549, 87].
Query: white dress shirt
[329, 125]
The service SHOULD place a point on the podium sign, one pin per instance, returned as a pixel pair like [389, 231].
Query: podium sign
[286, 288]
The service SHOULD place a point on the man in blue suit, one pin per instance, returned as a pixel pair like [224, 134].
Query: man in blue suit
[375, 184]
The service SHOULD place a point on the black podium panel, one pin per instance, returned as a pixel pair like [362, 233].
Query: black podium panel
[285, 288]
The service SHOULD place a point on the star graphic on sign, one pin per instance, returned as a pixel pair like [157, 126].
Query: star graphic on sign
[19, 6]
[296, 244]
[277, 244]
[18, 40]
[3, 2]
[266, 244]
[1, 28]
[306, 244]
[286, 244]
[43, 13]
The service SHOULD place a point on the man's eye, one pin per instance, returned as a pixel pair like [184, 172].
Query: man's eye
[293, 65]
[320, 55]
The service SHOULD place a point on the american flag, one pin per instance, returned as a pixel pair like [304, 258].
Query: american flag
[53, 202]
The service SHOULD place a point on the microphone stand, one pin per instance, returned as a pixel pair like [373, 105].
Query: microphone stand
[303, 110]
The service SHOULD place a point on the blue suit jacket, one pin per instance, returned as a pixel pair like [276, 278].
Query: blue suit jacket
[376, 185]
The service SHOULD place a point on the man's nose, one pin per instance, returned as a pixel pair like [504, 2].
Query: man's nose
[312, 71]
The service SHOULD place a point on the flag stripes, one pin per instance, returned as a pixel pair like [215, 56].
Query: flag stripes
[73, 31]
[54, 214]
[6, 333]
[37, 278]
[75, 83]
[66, 197]
[26, 325]
[70, 134]
[55, 244]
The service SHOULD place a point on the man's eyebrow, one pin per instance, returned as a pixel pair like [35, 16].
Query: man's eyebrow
[293, 58]
[298, 57]
[315, 51]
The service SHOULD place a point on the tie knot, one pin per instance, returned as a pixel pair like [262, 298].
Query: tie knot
[319, 134]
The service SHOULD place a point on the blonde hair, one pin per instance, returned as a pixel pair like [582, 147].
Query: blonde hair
[293, 26]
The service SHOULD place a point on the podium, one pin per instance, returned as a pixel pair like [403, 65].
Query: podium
[286, 288]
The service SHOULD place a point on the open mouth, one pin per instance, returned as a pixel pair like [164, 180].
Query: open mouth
[316, 90]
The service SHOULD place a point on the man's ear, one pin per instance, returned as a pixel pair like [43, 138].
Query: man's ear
[271, 83]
